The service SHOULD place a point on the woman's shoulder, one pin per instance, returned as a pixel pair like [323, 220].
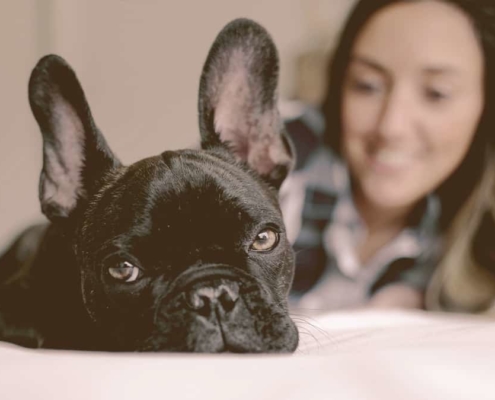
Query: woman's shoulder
[316, 164]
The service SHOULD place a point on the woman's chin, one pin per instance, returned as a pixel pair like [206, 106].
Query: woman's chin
[389, 197]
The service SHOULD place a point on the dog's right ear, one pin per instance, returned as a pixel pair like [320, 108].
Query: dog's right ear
[238, 100]
[75, 154]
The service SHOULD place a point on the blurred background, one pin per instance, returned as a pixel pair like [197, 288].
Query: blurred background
[139, 62]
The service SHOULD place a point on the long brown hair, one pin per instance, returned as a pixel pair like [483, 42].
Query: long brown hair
[464, 280]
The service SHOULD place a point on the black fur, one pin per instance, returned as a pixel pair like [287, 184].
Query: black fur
[186, 219]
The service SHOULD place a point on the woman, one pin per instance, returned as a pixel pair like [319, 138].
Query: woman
[407, 140]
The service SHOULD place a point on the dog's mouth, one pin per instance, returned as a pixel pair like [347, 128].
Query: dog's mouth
[219, 309]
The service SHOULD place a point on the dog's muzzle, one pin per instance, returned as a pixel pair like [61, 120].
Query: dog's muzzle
[220, 308]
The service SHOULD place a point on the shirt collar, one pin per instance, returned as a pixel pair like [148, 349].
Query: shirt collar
[329, 175]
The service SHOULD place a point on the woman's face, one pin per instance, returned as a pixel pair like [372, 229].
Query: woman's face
[412, 100]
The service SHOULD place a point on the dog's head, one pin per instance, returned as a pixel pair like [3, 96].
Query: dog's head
[184, 251]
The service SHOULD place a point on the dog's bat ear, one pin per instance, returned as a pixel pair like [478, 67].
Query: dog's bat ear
[75, 154]
[238, 100]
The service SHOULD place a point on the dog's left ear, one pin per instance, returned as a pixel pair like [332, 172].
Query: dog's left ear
[238, 100]
[75, 153]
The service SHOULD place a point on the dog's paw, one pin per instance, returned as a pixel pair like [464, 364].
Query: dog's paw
[19, 335]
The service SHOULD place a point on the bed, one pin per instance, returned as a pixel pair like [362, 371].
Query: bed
[345, 355]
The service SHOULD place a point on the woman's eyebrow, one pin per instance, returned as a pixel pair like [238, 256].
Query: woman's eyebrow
[368, 63]
[433, 69]
[441, 70]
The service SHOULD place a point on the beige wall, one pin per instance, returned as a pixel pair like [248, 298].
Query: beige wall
[139, 62]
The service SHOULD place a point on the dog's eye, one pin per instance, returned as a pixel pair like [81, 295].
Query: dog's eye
[265, 240]
[125, 272]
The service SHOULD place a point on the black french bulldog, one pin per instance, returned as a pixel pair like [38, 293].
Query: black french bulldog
[184, 251]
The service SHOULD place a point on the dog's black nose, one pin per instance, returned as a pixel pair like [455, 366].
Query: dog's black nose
[220, 296]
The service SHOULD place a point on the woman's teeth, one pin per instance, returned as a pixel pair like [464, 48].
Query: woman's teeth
[393, 158]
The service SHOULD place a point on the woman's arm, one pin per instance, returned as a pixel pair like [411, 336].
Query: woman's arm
[397, 295]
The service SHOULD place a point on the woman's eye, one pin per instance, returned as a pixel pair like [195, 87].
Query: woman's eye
[265, 240]
[435, 95]
[364, 87]
[125, 272]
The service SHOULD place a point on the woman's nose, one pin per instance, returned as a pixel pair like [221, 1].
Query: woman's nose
[396, 120]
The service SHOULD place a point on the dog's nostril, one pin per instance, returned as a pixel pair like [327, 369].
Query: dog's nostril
[195, 301]
[227, 302]
[199, 303]
[229, 296]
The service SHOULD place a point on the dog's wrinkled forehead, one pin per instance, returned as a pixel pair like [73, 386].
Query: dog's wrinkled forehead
[184, 197]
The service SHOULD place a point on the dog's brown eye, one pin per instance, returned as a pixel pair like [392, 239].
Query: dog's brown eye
[125, 272]
[265, 240]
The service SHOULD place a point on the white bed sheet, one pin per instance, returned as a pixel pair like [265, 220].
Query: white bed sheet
[353, 355]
